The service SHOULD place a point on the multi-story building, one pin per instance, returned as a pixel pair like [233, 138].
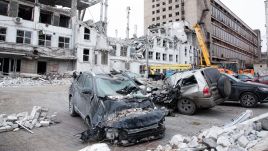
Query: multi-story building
[48, 36]
[168, 44]
[227, 36]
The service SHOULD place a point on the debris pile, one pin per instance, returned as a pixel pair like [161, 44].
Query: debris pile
[239, 136]
[37, 118]
[36, 81]
[97, 147]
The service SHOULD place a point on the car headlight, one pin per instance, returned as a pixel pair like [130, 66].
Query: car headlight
[263, 89]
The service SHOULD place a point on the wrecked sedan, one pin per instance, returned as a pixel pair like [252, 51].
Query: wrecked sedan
[200, 88]
[115, 109]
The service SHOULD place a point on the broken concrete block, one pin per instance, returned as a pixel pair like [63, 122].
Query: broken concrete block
[221, 148]
[2, 120]
[194, 142]
[214, 132]
[14, 126]
[37, 125]
[223, 141]
[43, 114]
[35, 112]
[2, 129]
[235, 148]
[262, 134]
[44, 123]
[182, 146]
[28, 124]
[16, 129]
[257, 126]
[159, 148]
[251, 144]
[235, 136]
[34, 122]
[264, 124]
[212, 143]
[252, 137]
[242, 141]
[176, 140]
[12, 117]
[8, 128]
[22, 115]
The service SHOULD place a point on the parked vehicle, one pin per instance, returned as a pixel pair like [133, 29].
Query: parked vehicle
[245, 77]
[247, 93]
[199, 89]
[261, 79]
[115, 109]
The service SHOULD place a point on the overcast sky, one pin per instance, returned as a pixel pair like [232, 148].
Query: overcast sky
[251, 12]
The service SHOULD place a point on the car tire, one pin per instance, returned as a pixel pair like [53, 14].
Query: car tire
[186, 106]
[248, 100]
[71, 107]
[224, 86]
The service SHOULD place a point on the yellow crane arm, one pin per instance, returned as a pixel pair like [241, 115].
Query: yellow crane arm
[202, 44]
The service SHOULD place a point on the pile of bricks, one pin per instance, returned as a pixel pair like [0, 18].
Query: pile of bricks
[37, 118]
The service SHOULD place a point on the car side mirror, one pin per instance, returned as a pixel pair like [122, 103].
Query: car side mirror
[87, 91]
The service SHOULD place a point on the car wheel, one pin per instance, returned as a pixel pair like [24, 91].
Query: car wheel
[248, 100]
[71, 107]
[186, 106]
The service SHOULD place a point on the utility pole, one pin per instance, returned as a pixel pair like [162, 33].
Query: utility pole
[147, 46]
[105, 16]
[127, 31]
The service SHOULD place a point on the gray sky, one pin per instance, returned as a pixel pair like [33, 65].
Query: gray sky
[251, 12]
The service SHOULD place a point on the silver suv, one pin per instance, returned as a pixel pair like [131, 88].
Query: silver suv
[199, 89]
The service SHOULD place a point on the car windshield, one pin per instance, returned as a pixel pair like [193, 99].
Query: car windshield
[115, 86]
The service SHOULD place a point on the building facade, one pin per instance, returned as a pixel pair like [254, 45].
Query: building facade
[42, 37]
[167, 44]
[227, 36]
[266, 25]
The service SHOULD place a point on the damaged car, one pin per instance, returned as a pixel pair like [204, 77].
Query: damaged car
[198, 89]
[115, 109]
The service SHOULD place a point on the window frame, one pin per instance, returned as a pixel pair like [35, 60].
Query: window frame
[64, 42]
[3, 34]
[86, 55]
[45, 40]
[87, 34]
[24, 38]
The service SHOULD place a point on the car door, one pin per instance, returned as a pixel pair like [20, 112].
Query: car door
[78, 95]
[88, 96]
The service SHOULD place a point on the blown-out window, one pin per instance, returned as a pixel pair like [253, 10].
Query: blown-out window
[23, 37]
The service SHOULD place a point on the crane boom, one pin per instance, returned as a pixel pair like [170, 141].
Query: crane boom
[202, 44]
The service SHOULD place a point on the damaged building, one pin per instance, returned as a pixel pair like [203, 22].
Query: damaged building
[172, 43]
[45, 36]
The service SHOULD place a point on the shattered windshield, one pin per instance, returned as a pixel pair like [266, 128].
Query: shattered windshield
[115, 86]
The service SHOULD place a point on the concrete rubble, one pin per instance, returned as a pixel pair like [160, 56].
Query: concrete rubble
[97, 147]
[38, 118]
[33, 81]
[241, 134]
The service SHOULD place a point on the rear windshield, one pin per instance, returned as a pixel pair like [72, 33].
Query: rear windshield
[211, 75]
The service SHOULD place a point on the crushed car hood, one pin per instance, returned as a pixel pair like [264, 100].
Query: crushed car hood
[126, 113]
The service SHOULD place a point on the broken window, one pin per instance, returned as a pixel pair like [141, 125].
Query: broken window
[123, 51]
[96, 59]
[189, 81]
[151, 54]
[25, 12]
[164, 57]
[142, 69]
[23, 37]
[170, 58]
[86, 55]
[64, 21]
[3, 32]
[113, 51]
[3, 8]
[157, 56]
[44, 40]
[104, 58]
[64, 42]
[164, 43]
[45, 17]
[177, 58]
[87, 34]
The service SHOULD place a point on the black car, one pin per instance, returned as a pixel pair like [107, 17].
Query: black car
[248, 93]
[115, 109]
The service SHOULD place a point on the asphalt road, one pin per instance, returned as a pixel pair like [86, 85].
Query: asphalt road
[61, 137]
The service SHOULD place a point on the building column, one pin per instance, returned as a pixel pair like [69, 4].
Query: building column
[13, 8]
